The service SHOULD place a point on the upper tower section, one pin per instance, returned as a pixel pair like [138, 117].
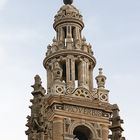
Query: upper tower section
[68, 24]
[69, 59]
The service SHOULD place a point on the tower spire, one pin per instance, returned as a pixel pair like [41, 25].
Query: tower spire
[68, 1]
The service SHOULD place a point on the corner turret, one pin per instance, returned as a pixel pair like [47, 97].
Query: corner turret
[102, 92]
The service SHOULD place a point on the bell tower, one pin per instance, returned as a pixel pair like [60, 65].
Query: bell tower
[72, 108]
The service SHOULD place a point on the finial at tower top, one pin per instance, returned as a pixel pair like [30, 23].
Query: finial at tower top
[100, 71]
[68, 1]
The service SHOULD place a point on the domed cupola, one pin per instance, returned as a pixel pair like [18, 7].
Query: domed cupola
[68, 14]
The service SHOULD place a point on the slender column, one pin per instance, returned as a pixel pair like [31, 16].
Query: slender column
[105, 132]
[77, 39]
[52, 69]
[77, 33]
[73, 71]
[69, 38]
[69, 31]
[84, 73]
[58, 34]
[60, 37]
[49, 79]
[62, 34]
[87, 73]
[91, 78]
[74, 33]
[67, 70]
[70, 71]
[81, 73]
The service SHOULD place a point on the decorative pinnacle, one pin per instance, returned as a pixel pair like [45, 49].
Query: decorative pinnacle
[101, 79]
[68, 1]
[38, 86]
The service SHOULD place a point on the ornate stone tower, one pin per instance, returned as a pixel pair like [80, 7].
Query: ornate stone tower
[72, 109]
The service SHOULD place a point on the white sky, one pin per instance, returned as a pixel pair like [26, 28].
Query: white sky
[112, 27]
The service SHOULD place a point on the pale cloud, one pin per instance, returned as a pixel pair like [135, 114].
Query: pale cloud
[13, 37]
[2, 4]
[18, 34]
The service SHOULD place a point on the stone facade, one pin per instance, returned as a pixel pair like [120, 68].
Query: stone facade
[72, 108]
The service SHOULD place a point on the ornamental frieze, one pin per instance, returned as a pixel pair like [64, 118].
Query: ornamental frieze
[80, 110]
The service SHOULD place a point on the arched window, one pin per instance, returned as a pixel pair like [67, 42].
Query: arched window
[82, 133]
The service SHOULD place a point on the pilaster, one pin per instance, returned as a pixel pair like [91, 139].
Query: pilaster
[105, 132]
[58, 129]
[91, 78]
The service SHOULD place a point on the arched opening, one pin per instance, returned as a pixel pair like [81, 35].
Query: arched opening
[82, 133]
[63, 65]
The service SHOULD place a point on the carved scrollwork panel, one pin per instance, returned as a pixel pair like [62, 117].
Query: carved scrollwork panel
[83, 93]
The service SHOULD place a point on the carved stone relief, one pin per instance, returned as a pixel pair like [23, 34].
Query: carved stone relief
[58, 89]
[81, 92]
[103, 97]
[67, 122]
